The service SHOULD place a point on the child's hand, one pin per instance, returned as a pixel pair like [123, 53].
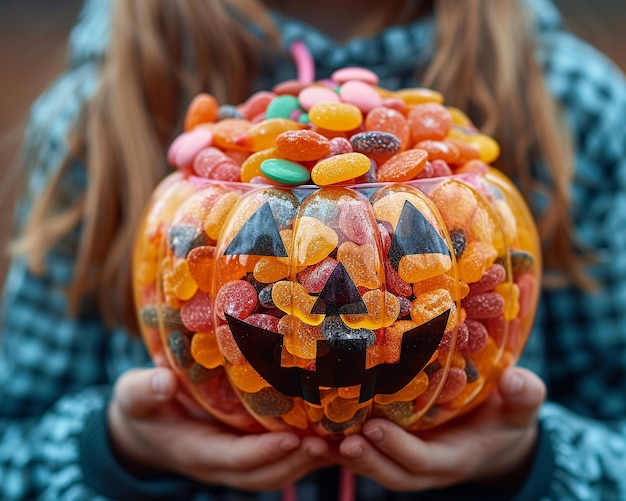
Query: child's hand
[151, 433]
[492, 444]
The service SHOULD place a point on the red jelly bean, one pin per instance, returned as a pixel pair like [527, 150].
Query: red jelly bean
[492, 277]
[197, 313]
[477, 337]
[267, 322]
[238, 298]
[487, 305]
[314, 277]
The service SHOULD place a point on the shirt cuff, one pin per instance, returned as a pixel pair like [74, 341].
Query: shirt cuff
[104, 474]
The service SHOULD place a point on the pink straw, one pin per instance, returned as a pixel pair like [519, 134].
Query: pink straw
[304, 62]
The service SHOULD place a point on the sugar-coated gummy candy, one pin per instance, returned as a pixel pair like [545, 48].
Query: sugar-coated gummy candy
[486, 305]
[402, 167]
[429, 121]
[360, 94]
[197, 313]
[302, 145]
[335, 116]
[392, 121]
[375, 143]
[179, 347]
[268, 402]
[491, 277]
[236, 298]
[202, 109]
[284, 171]
[339, 168]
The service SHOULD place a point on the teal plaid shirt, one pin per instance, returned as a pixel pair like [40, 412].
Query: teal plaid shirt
[56, 372]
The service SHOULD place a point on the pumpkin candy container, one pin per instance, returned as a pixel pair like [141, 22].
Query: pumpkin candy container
[332, 251]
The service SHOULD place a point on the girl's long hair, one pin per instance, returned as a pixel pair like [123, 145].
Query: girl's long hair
[164, 52]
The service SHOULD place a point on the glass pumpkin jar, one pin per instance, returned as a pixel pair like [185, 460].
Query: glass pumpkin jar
[312, 309]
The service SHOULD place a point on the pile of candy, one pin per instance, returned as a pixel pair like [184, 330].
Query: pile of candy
[330, 251]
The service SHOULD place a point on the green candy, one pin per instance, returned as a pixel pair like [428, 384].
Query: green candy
[284, 171]
[282, 107]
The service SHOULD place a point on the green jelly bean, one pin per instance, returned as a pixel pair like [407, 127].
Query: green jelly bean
[304, 118]
[284, 171]
[282, 107]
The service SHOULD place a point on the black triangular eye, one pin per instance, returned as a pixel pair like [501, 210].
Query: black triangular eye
[414, 235]
[259, 236]
[339, 295]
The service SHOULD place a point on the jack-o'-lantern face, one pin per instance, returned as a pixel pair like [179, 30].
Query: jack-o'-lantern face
[328, 259]
[313, 308]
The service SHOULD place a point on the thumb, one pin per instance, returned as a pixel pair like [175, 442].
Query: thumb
[140, 391]
[522, 392]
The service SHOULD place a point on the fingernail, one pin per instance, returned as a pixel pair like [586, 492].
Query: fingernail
[288, 444]
[355, 452]
[159, 383]
[515, 384]
[374, 434]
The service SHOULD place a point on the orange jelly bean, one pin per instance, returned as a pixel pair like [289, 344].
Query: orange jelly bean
[402, 167]
[335, 116]
[202, 109]
[429, 121]
[302, 145]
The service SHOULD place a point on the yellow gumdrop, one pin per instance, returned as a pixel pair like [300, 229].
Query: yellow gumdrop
[299, 338]
[312, 241]
[389, 207]
[246, 378]
[217, 217]
[341, 409]
[361, 262]
[339, 168]
[262, 135]
[456, 202]
[457, 289]
[419, 95]
[510, 292]
[383, 309]
[415, 388]
[251, 166]
[293, 299]
[205, 351]
[178, 280]
[269, 269]
[475, 260]
[296, 417]
[432, 304]
[416, 267]
[393, 339]
[335, 116]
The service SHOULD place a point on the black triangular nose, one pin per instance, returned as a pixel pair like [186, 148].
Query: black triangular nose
[339, 295]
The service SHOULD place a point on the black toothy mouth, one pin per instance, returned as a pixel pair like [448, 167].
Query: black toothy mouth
[337, 365]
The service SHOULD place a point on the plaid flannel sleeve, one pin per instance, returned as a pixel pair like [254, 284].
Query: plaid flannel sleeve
[579, 343]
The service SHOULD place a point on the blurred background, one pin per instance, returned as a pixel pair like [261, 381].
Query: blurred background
[33, 37]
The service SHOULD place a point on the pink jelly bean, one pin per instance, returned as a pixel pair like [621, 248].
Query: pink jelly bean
[354, 73]
[526, 284]
[228, 346]
[492, 277]
[353, 224]
[193, 142]
[316, 94]
[339, 145]
[462, 334]
[264, 321]
[395, 284]
[487, 305]
[314, 277]
[256, 104]
[477, 336]
[212, 163]
[238, 298]
[360, 94]
[197, 313]
[441, 168]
